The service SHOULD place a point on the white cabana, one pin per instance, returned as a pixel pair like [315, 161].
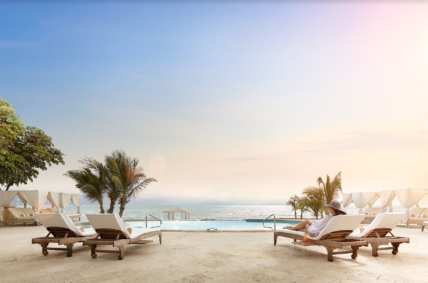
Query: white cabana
[409, 198]
[361, 200]
[37, 200]
[5, 199]
[54, 199]
[179, 210]
[347, 200]
[64, 201]
[75, 199]
[386, 198]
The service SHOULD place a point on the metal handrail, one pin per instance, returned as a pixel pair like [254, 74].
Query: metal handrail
[267, 219]
[157, 219]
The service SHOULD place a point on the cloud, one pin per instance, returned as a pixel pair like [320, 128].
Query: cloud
[348, 142]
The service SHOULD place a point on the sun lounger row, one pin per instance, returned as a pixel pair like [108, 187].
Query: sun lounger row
[107, 229]
[342, 232]
[373, 210]
[418, 215]
[25, 215]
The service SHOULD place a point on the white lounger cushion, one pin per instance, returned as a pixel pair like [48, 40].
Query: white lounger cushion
[62, 220]
[16, 213]
[337, 223]
[113, 221]
[383, 220]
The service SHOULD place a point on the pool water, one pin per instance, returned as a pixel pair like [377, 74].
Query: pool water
[212, 225]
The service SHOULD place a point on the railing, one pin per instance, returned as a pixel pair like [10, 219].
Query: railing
[154, 218]
[274, 222]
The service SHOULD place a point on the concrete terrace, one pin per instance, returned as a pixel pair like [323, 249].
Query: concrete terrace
[209, 257]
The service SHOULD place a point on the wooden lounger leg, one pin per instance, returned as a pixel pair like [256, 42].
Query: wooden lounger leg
[395, 249]
[93, 253]
[70, 249]
[329, 253]
[122, 252]
[374, 249]
[44, 248]
[355, 252]
[160, 239]
[275, 238]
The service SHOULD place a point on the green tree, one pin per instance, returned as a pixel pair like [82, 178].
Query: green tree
[21, 158]
[91, 185]
[10, 125]
[294, 203]
[126, 176]
[331, 189]
[302, 206]
[314, 200]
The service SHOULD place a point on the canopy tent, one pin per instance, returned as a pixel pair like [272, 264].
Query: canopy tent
[386, 198]
[360, 200]
[409, 198]
[177, 209]
[37, 199]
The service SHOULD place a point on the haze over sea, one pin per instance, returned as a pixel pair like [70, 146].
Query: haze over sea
[209, 212]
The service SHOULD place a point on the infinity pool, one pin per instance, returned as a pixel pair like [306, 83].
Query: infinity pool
[211, 225]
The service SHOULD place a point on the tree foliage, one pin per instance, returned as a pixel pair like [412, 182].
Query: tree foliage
[10, 125]
[91, 185]
[294, 203]
[128, 178]
[331, 189]
[119, 178]
[314, 200]
[21, 158]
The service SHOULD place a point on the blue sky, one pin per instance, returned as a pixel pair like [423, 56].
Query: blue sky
[225, 103]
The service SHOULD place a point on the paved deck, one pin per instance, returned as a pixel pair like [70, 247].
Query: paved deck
[209, 257]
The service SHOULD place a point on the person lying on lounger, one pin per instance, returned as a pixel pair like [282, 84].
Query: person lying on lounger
[314, 228]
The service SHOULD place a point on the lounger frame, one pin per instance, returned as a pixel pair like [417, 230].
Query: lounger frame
[331, 241]
[117, 239]
[61, 236]
[378, 237]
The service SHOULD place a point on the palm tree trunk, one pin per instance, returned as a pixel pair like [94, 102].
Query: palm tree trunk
[295, 214]
[100, 201]
[112, 203]
[122, 208]
[301, 213]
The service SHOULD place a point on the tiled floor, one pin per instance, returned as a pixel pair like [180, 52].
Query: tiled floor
[209, 257]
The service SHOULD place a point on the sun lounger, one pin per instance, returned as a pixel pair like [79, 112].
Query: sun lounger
[112, 231]
[425, 223]
[371, 213]
[334, 236]
[418, 215]
[21, 215]
[55, 210]
[63, 232]
[376, 233]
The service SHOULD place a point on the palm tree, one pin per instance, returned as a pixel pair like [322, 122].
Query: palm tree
[111, 191]
[314, 200]
[331, 189]
[302, 205]
[294, 203]
[127, 177]
[89, 184]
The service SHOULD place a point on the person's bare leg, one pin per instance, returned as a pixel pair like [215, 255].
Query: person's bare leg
[299, 226]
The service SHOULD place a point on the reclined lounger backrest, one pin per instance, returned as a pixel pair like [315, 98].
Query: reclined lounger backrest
[58, 220]
[341, 223]
[382, 220]
[108, 221]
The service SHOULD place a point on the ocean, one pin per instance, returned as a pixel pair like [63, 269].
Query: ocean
[209, 212]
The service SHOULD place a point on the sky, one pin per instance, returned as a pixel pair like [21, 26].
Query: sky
[225, 103]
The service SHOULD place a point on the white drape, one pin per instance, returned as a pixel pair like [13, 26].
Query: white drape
[54, 199]
[347, 199]
[409, 198]
[35, 198]
[424, 200]
[361, 200]
[386, 198]
[374, 199]
[5, 199]
[64, 201]
[23, 198]
[75, 198]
